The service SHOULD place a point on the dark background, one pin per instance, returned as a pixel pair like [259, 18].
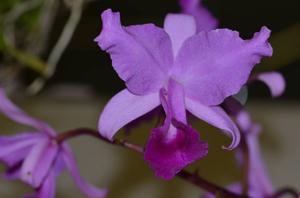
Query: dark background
[83, 61]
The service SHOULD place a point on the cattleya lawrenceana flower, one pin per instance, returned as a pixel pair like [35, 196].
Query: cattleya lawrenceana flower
[36, 158]
[182, 69]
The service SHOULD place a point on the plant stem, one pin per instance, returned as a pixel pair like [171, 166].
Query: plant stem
[285, 191]
[185, 175]
[208, 186]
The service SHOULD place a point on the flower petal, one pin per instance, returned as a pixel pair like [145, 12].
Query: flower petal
[141, 55]
[168, 158]
[124, 108]
[14, 148]
[258, 180]
[39, 162]
[48, 188]
[89, 190]
[13, 172]
[216, 64]
[46, 162]
[176, 101]
[16, 114]
[179, 27]
[259, 183]
[274, 80]
[234, 107]
[216, 117]
[204, 19]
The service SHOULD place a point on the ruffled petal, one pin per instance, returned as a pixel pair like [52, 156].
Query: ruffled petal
[86, 188]
[167, 158]
[274, 80]
[216, 64]
[16, 114]
[14, 148]
[205, 21]
[217, 117]
[141, 55]
[39, 162]
[179, 27]
[124, 108]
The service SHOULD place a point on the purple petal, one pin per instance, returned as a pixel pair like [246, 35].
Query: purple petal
[39, 161]
[258, 180]
[168, 158]
[274, 80]
[174, 145]
[89, 190]
[14, 148]
[47, 190]
[176, 99]
[141, 55]
[216, 117]
[16, 114]
[204, 19]
[13, 172]
[259, 183]
[216, 64]
[179, 27]
[236, 109]
[124, 108]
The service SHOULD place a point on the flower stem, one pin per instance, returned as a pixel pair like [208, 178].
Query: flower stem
[184, 174]
[285, 191]
[208, 186]
[86, 131]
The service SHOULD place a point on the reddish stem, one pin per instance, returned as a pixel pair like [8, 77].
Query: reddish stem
[285, 191]
[185, 175]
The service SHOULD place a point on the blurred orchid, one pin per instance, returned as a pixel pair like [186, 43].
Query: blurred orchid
[260, 185]
[274, 81]
[37, 158]
[205, 21]
[182, 70]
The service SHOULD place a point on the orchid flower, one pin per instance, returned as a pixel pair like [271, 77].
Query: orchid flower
[204, 19]
[36, 158]
[182, 68]
[260, 185]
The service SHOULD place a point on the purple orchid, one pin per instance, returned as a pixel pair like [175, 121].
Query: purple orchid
[182, 70]
[274, 80]
[204, 19]
[36, 158]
